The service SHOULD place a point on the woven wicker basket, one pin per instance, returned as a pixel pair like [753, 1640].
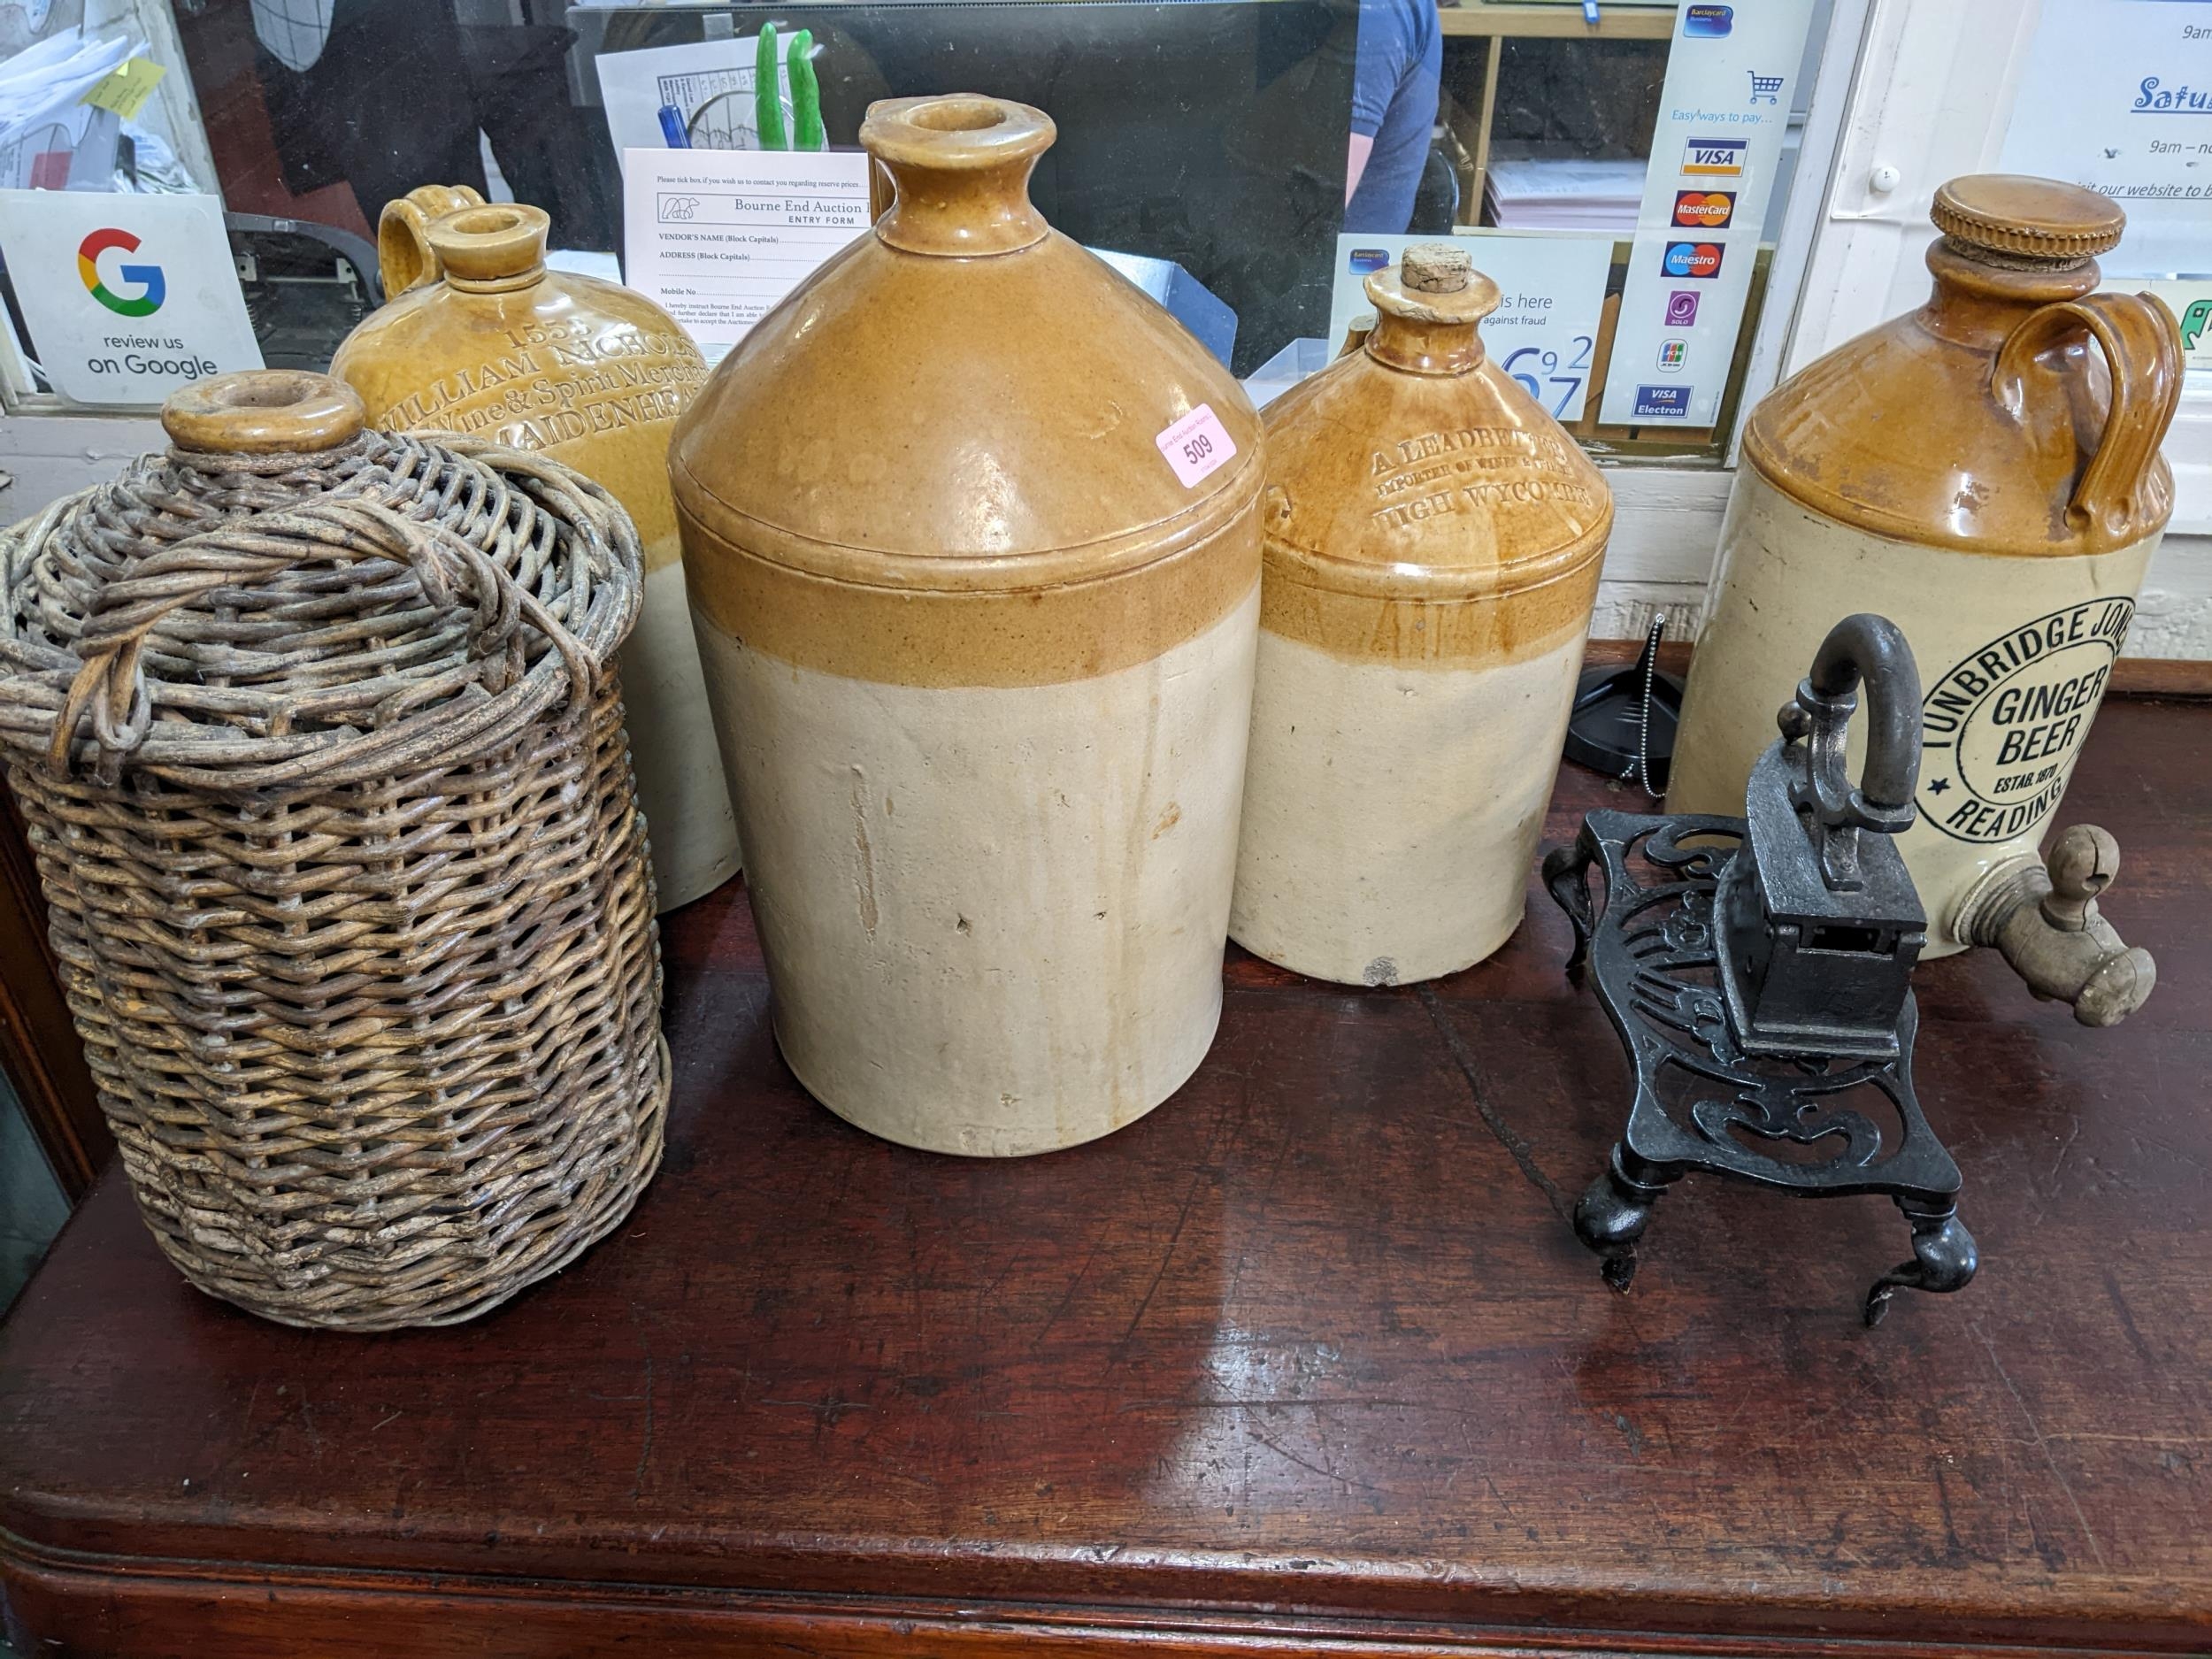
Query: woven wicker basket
[320, 743]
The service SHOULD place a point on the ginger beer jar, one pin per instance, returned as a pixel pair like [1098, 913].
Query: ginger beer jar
[1433, 544]
[1985, 472]
[971, 527]
[491, 343]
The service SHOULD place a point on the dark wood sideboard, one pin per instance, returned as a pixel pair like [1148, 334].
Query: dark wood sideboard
[1308, 1360]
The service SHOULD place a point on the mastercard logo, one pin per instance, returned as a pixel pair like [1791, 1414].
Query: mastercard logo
[1691, 259]
[1709, 210]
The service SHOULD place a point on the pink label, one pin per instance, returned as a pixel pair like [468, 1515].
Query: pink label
[1196, 445]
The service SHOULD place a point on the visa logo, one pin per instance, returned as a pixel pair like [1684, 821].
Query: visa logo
[1663, 403]
[1691, 259]
[1715, 157]
[1708, 22]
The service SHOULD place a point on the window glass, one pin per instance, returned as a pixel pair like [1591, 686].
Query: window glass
[1623, 164]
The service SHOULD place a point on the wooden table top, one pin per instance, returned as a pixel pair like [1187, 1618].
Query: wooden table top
[1308, 1357]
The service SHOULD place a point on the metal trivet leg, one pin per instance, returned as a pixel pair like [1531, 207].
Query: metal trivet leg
[1703, 1105]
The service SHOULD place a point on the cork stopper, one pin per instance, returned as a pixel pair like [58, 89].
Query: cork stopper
[959, 167]
[1435, 267]
[1433, 283]
[499, 245]
[263, 411]
[2006, 218]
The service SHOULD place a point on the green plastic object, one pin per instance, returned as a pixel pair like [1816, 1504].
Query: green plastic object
[767, 103]
[806, 95]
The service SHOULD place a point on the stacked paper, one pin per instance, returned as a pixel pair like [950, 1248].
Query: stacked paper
[1534, 193]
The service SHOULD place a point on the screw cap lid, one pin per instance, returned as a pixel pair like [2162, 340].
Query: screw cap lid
[2014, 217]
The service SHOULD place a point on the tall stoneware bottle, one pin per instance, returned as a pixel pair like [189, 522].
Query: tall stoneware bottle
[492, 344]
[980, 652]
[1433, 547]
[1984, 471]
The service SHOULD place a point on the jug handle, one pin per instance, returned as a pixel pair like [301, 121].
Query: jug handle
[2142, 343]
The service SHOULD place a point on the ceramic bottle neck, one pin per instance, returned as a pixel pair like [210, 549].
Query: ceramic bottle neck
[1418, 345]
[959, 168]
[1978, 302]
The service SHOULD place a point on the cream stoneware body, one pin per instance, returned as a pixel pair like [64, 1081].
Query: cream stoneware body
[479, 337]
[1433, 546]
[981, 660]
[1984, 472]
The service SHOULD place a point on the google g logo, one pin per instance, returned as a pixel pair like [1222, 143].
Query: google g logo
[152, 285]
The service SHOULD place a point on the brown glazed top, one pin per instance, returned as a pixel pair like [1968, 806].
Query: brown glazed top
[2018, 413]
[492, 344]
[263, 412]
[937, 463]
[1420, 504]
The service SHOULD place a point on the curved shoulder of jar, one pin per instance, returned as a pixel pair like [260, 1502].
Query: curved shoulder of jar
[938, 423]
[1425, 487]
[600, 309]
[943, 568]
[1899, 433]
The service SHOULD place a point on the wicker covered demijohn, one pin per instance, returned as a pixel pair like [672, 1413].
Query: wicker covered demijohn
[318, 741]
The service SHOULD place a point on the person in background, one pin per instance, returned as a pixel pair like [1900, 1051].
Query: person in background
[1394, 111]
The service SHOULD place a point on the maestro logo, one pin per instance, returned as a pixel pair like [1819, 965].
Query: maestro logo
[1708, 22]
[1714, 157]
[1698, 259]
[152, 286]
[1704, 210]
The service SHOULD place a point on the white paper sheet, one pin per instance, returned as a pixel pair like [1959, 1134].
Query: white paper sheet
[2117, 96]
[719, 237]
[634, 86]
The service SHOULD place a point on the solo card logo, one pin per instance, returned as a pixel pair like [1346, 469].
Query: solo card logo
[1682, 309]
[1704, 210]
[1714, 157]
[152, 286]
[1697, 259]
[1662, 402]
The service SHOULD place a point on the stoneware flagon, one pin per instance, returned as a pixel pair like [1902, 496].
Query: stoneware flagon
[1433, 544]
[1985, 471]
[477, 336]
[981, 653]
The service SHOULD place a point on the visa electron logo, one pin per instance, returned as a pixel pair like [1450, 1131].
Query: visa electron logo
[1710, 209]
[1714, 157]
[152, 285]
[1691, 259]
[1711, 22]
[1662, 402]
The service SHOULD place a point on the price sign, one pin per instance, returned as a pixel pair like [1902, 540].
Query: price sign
[1197, 445]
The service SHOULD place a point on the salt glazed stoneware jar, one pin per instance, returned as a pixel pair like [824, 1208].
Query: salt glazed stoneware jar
[1433, 547]
[478, 337]
[980, 652]
[1986, 471]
